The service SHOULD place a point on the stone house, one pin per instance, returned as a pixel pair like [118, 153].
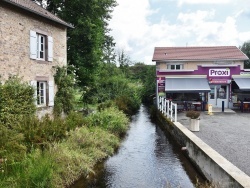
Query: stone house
[32, 42]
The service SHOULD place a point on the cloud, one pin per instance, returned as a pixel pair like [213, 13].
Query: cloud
[181, 2]
[137, 36]
[129, 21]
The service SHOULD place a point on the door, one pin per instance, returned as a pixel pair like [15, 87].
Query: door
[218, 94]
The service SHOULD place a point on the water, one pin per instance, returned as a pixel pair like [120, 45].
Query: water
[146, 159]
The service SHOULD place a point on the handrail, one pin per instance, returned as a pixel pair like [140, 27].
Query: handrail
[168, 108]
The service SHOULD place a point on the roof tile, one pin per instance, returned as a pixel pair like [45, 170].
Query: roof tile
[198, 53]
[35, 8]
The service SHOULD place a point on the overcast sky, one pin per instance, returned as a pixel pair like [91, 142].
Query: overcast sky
[140, 25]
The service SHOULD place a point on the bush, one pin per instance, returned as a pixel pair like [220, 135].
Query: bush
[12, 146]
[193, 114]
[17, 101]
[64, 99]
[110, 119]
[38, 132]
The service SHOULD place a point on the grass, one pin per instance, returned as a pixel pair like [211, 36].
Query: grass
[62, 162]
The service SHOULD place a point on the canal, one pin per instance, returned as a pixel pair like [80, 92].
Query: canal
[147, 158]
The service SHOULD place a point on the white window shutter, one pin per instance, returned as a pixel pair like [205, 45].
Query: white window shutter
[50, 48]
[33, 44]
[51, 93]
[33, 83]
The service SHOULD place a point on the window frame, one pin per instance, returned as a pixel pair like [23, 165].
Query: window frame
[41, 93]
[48, 91]
[41, 46]
[173, 66]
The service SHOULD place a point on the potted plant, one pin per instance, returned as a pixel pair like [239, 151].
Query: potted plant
[194, 120]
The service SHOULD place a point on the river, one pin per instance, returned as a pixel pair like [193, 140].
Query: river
[147, 158]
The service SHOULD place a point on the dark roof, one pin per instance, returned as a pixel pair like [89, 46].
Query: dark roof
[198, 53]
[30, 6]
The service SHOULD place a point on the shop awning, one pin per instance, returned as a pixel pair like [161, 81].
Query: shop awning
[243, 83]
[186, 85]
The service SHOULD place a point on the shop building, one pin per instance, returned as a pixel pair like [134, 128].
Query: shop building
[214, 75]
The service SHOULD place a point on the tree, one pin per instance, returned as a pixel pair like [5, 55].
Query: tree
[123, 60]
[146, 75]
[245, 48]
[89, 42]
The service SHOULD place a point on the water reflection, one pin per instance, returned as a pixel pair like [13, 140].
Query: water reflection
[146, 159]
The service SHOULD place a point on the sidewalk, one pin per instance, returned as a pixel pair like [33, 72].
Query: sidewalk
[226, 132]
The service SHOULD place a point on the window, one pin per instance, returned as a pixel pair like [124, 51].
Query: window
[41, 46]
[41, 93]
[40, 54]
[175, 66]
[44, 93]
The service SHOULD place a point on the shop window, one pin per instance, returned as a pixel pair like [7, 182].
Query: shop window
[212, 91]
[221, 92]
[218, 91]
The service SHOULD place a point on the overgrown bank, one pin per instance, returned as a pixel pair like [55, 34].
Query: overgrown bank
[52, 152]
[60, 163]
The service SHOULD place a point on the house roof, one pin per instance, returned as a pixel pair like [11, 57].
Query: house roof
[32, 7]
[198, 53]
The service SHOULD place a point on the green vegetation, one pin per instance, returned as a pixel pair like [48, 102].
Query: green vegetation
[193, 114]
[245, 48]
[58, 157]
[65, 81]
[56, 151]
[17, 101]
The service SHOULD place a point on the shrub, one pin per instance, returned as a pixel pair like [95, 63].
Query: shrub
[17, 101]
[64, 99]
[193, 114]
[129, 102]
[110, 119]
[104, 105]
[38, 132]
[12, 146]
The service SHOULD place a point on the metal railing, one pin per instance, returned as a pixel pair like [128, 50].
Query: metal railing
[168, 108]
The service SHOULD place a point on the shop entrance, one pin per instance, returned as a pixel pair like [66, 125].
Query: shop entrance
[218, 94]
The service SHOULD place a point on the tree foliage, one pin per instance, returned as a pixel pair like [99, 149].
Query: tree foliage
[245, 48]
[89, 42]
[146, 75]
[17, 100]
[65, 81]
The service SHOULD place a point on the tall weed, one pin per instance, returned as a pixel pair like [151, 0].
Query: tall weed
[35, 170]
[80, 152]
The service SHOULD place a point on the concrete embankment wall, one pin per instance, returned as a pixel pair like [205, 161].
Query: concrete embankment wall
[211, 164]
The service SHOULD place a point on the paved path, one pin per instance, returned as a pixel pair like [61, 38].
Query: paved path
[227, 133]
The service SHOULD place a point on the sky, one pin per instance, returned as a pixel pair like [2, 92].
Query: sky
[138, 26]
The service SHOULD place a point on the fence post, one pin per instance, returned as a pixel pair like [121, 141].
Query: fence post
[165, 105]
[175, 114]
[171, 109]
[160, 103]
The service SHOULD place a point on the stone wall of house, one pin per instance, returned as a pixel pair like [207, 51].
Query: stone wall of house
[15, 26]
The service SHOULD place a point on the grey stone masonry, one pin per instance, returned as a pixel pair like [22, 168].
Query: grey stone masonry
[15, 27]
